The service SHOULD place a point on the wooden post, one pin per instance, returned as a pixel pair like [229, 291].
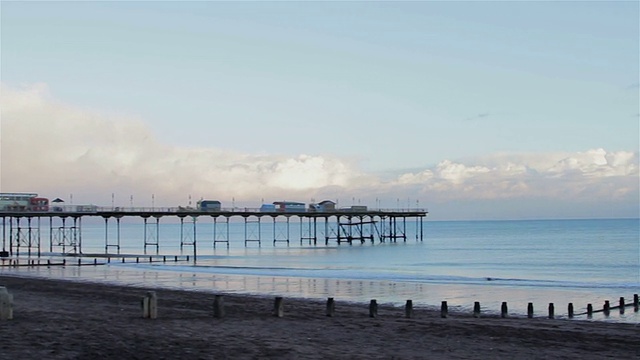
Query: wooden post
[530, 310]
[476, 309]
[570, 310]
[621, 305]
[606, 308]
[504, 312]
[331, 307]
[218, 306]
[278, 307]
[408, 309]
[589, 311]
[373, 308]
[444, 310]
[635, 302]
[551, 311]
[6, 304]
[150, 305]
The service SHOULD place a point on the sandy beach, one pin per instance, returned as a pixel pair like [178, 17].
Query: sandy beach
[56, 319]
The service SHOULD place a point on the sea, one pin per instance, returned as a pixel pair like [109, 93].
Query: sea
[585, 261]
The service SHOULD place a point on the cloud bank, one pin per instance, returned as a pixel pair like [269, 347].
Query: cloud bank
[57, 149]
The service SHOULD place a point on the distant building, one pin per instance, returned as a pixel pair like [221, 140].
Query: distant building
[323, 206]
[289, 206]
[209, 205]
[327, 205]
[23, 202]
[267, 208]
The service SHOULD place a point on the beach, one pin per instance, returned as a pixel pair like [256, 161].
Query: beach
[59, 319]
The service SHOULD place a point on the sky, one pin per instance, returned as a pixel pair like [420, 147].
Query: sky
[472, 110]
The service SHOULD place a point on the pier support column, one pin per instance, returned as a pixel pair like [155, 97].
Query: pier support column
[188, 236]
[280, 230]
[220, 231]
[151, 234]
[252, 231]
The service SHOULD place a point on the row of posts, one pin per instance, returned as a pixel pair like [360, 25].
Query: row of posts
[149, 308]
[37, 262]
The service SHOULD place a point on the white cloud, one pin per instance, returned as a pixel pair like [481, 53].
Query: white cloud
[591, 174]
[57, 149]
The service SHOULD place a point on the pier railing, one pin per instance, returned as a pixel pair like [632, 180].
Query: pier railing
[96, 210]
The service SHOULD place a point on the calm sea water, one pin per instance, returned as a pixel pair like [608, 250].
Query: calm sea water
[542, 261]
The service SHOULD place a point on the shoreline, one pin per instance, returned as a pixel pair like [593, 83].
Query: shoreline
[460, 298]
[62, 319]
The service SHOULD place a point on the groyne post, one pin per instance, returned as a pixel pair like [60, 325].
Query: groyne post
[570, 310]
[278, 307]
[589, 311]
[551, 311]
[476, 309]
[444, 310]
[606, 308]
[150, 305]
[621, 305]
[504, 311]
[218, 306]
[635, 302]
[530, 310]
[6, 304]
[373, 308]
[331, 307]
[408, 309]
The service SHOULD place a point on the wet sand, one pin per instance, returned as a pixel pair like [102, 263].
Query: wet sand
[55, 319]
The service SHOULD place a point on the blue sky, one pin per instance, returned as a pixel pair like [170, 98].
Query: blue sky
[364, 94]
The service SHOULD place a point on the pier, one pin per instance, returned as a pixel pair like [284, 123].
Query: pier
[21, 230]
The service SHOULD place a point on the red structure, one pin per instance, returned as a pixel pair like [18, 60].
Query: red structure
[39, 204]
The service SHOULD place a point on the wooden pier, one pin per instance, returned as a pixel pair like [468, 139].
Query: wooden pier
[21, 231]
